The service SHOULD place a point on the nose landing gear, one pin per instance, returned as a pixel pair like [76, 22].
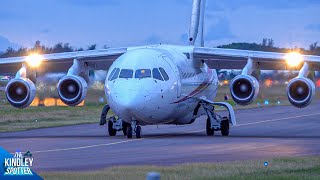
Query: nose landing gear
[134, 129]
[114, 123]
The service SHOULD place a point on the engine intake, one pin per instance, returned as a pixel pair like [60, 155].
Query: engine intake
[300, 92]
[20, 92]
[72, 90]
[244, 89]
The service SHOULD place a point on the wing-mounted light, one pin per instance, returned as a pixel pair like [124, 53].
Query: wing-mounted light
[34, 60]
[293, 59]
[72, 88]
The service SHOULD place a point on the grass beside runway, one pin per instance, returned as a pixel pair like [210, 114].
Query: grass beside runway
[278, 168]
[34, 117]
[12, 119]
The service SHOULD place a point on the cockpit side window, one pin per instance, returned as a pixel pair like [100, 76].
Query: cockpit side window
[115, 75]
[143, 73]
[164, 74]
[126, 73]
[111, 74]
[156, 74]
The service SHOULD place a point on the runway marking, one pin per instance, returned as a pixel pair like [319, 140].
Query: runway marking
[86, 147]
[279, 119]
[97, 145]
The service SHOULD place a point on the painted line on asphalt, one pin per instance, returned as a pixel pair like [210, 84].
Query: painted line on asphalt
[279, 119]
[93, 146]
[86, 147]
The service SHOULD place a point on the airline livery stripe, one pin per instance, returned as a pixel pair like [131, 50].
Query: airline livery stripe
[199, 89]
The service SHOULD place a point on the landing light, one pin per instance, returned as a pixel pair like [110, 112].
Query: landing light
[34, 60]
[293, 59]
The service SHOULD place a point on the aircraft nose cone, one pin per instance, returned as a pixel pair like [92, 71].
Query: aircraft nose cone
[131, 103]
[126, 102]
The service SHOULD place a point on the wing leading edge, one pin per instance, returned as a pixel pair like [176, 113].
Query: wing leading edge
[219, 58]
[61, 62]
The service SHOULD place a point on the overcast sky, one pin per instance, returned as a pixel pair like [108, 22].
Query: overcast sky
[135, 22]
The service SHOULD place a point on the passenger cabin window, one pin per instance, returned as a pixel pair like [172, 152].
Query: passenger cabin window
[126, 73]
[143, 73]
[164, 74]
[156, 74]
[115, 75]
[111, 74]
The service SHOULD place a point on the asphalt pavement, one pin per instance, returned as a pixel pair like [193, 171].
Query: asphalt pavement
[261, 133]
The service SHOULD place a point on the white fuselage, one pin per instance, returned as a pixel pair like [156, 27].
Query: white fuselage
[143, 97]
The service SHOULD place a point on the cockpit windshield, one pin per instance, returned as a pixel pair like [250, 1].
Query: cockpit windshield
[115, 74]
[164, 74]
[143, 73]
[111, 74]
[156, 73]
[126, 73]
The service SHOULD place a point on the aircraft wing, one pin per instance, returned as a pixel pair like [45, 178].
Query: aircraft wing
[219, 58]
[61, 62]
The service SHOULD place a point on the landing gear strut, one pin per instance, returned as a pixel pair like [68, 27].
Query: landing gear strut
[134, 129]
[214, 121]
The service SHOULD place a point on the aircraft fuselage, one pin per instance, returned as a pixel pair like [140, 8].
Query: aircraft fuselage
[137, 92]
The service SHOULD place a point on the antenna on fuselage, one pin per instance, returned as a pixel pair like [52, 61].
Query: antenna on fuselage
[197, 22]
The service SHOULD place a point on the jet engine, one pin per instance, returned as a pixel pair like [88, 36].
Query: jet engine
[20, 92]
[300, 91]
[72, 89]
[244, 89]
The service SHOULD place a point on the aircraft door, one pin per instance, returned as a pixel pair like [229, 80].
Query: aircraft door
[174, 75]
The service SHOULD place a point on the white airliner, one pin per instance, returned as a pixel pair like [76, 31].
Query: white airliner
[161, 84]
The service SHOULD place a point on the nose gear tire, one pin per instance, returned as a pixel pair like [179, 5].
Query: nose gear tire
[112, 132]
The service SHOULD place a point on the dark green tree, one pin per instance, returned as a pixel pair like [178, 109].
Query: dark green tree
[92, 47]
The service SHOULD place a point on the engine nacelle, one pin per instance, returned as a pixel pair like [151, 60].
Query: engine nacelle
[72, 90]
[244, 89]
[300, 92]
[20, 92]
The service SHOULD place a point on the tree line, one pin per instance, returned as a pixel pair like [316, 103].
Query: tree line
[265, 45]
[268, 45]
[42, 49]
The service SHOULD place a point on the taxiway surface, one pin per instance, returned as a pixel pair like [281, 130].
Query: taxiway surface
[261, 133]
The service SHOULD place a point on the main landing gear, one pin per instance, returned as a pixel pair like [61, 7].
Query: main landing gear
[117, 124]
[214, 121]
